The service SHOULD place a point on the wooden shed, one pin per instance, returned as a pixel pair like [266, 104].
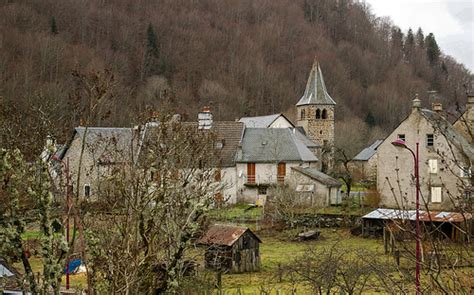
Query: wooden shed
[231, 249]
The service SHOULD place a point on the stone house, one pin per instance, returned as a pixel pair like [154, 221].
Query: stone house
[445, 158]
[465, 123]
[103, 149]
[265, 158]
[364, 164]
[315, 188]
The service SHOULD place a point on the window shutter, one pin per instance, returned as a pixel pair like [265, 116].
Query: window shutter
[436, 194]
[433, 165]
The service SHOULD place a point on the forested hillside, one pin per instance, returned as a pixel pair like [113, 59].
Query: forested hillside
[243, 57]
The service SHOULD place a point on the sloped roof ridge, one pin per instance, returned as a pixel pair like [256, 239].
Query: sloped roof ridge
[316, 92]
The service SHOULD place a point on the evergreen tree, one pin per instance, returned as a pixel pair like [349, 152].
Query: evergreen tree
[370, 120]
[54, 27]
[152, 42]
[410, 38]
[432, 49]
[420, 38]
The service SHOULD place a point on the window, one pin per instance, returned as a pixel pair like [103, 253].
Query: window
[303, 114]
[281, 172]
[262, 190]
[251, 172]
[87, 190]
[465, 171]
[429, 140]
[436, 194]
[318, 114]
[401, 136]
[433, 165]
[467, 195]
[324, 115]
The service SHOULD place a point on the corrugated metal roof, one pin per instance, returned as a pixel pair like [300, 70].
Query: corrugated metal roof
[435, 216]
[315, 92]
[368, 152]
[263, 145]
[318, 175]
[227, 235]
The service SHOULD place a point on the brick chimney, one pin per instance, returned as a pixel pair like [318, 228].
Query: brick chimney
[205, 118]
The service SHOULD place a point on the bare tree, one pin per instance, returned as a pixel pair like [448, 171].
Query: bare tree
[148, 211]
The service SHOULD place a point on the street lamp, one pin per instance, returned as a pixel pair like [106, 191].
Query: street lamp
[402, 144]
[68, 207]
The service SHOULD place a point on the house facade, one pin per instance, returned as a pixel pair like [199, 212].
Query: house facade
[364, 164]
[445, 158]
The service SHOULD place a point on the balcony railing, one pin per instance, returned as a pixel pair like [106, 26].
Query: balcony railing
[264, 180]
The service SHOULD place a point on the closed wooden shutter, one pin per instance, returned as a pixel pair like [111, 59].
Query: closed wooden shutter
[251, 172]
[281, 172]
[436, 194]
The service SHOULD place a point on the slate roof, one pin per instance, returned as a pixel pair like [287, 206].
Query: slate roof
[225, 235]
[109, 145]
[264, 145]
[316, 92]
[449, 132]
[318, 176]
[436, 216]
[228, 133]
[259, 121]
[368, 152]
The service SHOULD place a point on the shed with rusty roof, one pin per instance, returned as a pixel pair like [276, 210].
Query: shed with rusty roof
[231, 249]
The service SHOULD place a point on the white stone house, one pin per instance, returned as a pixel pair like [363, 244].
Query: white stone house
[445, 158]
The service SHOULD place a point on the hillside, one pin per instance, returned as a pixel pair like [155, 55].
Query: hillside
[241, 57]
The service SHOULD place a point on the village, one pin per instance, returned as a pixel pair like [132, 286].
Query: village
[275, 191]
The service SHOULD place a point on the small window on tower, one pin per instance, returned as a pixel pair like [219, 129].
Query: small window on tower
[303, 114]
[324, 114]
[318, 114]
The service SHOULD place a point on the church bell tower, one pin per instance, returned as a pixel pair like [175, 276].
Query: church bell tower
[315, 110]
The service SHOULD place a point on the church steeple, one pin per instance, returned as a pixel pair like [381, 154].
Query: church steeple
[316, 92]
[315, 109]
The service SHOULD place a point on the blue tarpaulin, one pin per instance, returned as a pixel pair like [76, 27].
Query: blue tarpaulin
[73, 265]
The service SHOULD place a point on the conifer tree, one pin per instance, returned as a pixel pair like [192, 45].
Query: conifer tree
[152, 43]
[420, 38]
[54, 26]
[432, 49]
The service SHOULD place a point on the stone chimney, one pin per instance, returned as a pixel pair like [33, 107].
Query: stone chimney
[205, 118]
[416, 103]
[470, 96]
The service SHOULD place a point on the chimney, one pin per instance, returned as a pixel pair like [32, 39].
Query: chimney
[416, 103]
[470, 96]
[437, 107]
[176, 118]
[205, 118]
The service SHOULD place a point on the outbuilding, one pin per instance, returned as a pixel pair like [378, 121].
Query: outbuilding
[231, 249]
